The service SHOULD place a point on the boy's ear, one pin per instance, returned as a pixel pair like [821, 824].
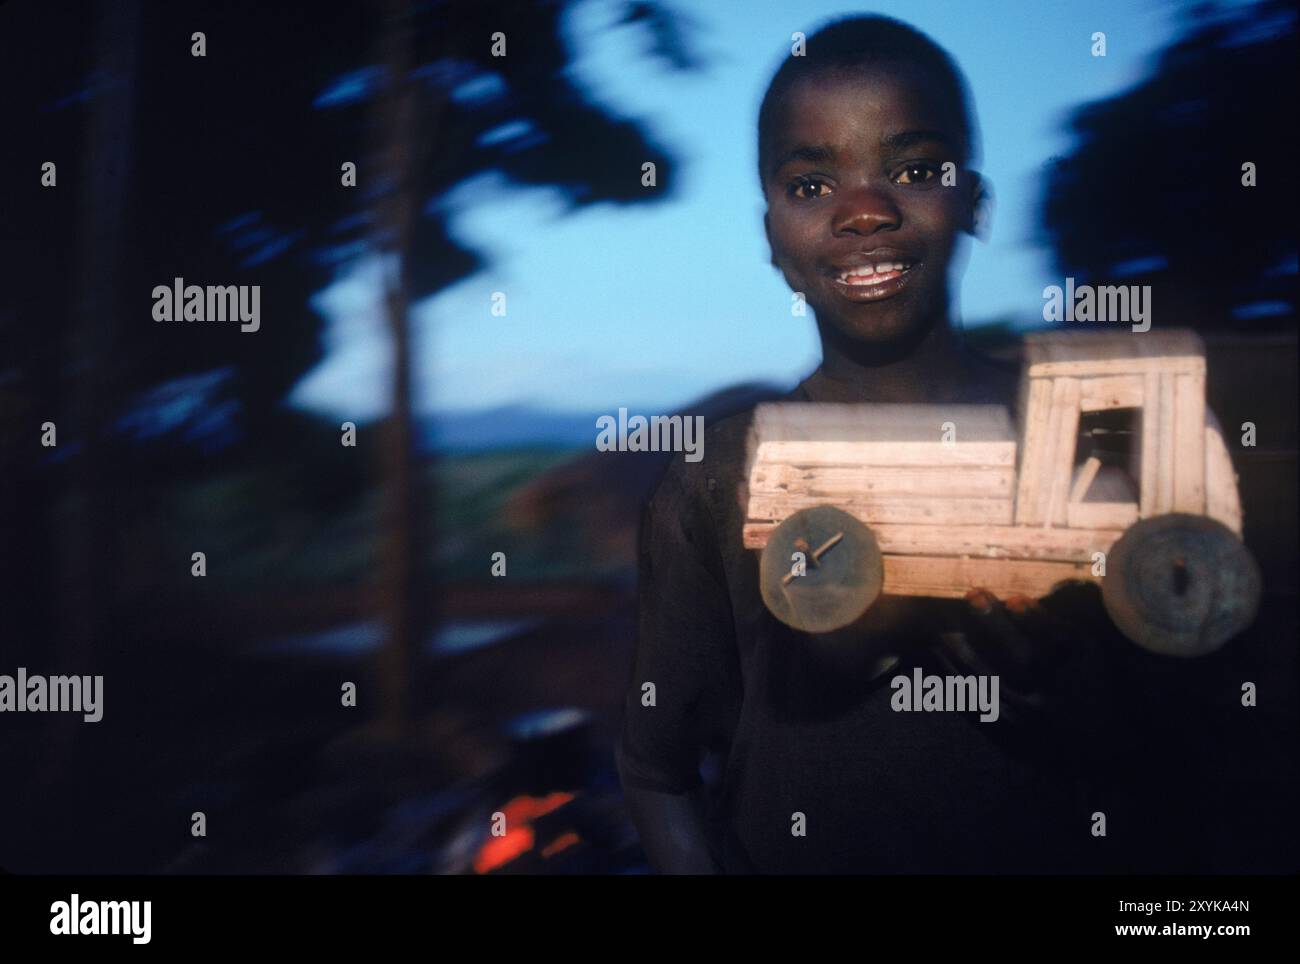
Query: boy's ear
[980, 223]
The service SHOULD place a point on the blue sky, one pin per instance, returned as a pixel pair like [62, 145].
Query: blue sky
[644, 306]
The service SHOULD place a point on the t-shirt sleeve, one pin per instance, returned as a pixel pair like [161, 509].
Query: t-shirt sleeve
[684, 629]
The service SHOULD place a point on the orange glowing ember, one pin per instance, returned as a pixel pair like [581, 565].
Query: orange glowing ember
[562, 842]
[519, 837]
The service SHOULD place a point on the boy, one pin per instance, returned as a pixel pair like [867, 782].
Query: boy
[816, 773]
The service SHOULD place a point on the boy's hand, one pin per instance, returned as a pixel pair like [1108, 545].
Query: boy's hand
[1053, 658]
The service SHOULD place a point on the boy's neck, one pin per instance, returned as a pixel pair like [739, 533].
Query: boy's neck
[930, 368]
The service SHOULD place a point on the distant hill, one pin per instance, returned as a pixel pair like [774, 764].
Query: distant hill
[588, 506]
[508, 426]
[517, 426]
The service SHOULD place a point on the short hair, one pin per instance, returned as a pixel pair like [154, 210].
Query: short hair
[858, 42]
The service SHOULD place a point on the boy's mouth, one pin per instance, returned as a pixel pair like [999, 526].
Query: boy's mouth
[873, 276]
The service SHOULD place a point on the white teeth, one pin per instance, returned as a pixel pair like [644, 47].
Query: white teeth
[867, 270]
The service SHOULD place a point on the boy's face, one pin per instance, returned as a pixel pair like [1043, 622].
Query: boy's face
[858, 218]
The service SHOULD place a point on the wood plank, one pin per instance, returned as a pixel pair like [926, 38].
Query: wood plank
[992, 542]
[1063, 440]
[1083, 477]
[751, 451]
[1036, 413]
[830, 481]
[1113, 353]
[952, 578]
[879, 422]
[1189, 444]
[959, 454]
[1164, 485]
[1222, 501]
[1149, 445]
[1102, 515]
[883, 509]
[1110, 391]
[1120, 366]
[821, 433]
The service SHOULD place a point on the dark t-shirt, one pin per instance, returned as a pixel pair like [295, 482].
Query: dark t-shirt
[803, 725]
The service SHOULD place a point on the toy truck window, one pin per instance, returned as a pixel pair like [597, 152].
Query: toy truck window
[1111, 437]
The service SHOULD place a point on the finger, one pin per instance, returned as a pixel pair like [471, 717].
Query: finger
[981, 600]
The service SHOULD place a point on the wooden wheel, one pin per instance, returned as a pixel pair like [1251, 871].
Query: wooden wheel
[841, 576]
[1180, 585]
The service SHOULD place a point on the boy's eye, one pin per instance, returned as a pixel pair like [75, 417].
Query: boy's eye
[808, 188]
[917, 172]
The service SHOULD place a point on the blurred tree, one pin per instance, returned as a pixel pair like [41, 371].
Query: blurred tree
[1153, 193]
[230, 173]
[488, 105]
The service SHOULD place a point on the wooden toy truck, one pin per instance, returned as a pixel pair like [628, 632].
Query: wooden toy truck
[1121, 477]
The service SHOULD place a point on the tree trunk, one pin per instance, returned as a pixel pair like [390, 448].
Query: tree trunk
[87, 548]
[398, 208]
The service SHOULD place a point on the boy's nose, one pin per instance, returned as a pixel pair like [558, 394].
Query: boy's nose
[865, 212]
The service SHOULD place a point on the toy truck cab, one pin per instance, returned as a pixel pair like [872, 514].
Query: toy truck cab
[1120, 476]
